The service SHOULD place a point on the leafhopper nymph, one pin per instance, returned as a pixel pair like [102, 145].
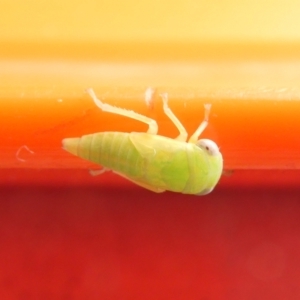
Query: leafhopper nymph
[154, 162]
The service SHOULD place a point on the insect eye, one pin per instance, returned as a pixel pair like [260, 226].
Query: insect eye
[208, 146]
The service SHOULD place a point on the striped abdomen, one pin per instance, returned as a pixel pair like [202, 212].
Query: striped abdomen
[156, 161]
[112, 150]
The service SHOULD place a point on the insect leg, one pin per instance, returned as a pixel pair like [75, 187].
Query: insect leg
[153, 128]
[194, 138]
[98, 172]
[182, 132]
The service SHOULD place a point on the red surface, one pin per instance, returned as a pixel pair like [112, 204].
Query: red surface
[89, 239]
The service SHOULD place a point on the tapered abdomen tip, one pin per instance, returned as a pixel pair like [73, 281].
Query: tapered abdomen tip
[71, 145]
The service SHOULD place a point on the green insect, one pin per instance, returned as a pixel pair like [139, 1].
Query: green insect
[154, 162]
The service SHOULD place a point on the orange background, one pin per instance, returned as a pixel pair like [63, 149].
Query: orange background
[241, 56]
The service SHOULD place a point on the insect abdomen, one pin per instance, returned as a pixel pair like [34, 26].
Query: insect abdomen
[112, 150]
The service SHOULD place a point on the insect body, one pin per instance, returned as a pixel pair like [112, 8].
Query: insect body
[154, 162]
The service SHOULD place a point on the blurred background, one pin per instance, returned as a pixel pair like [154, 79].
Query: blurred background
[108, 21]
[66, 235]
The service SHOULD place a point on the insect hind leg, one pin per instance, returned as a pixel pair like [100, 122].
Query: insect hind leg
[182, 132]
[153, 128]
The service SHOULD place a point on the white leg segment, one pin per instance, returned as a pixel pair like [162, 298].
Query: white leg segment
[153, 128]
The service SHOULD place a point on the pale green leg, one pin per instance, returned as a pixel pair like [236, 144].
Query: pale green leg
[194, 138]
[182, 137]
[153, 128]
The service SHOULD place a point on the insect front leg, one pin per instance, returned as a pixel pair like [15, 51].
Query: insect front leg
[194, 138]
[153, 128]
[182, 132]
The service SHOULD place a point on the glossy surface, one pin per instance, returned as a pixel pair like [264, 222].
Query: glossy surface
[241, 57]
[253, 129]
